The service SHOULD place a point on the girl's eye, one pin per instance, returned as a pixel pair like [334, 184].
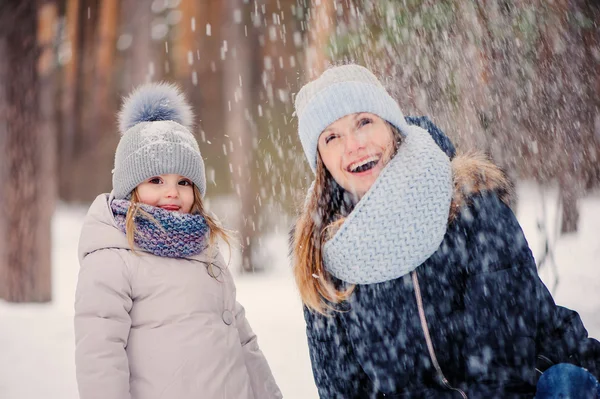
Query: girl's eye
[154, 180]
[185, 183]
[329, 138]
[364, 121]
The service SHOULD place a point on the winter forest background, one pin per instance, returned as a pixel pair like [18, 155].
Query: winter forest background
[519, 80]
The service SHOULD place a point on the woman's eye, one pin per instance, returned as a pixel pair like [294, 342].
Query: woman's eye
[364, 121]
[185, 183]
[329, 138]
[154, 180]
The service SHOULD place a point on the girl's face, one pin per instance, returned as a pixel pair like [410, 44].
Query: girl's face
[170, 192]
[354, 149]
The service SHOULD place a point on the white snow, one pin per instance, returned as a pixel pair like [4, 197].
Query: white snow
[37, 344]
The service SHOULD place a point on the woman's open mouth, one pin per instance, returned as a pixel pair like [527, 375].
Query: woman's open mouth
[363, 165]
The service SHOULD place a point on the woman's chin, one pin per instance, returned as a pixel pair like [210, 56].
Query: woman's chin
[359, 187]
[362, 182]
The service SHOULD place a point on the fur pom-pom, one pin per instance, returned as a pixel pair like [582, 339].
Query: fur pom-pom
[155, 102]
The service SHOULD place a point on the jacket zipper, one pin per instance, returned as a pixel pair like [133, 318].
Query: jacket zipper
[425, 328]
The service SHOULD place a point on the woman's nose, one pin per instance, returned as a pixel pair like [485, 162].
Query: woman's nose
[354, 141]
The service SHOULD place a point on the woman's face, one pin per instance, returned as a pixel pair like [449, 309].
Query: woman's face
[170, 192]
[355, 149]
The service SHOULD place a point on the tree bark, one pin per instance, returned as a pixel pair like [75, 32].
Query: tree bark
[184, 55]
[27, 158]
[569, 195]
[321, 25]
[140, 66]
[105, 56]
[241, 146]
[69, 101]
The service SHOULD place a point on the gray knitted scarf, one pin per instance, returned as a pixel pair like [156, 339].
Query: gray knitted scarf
[401, 221]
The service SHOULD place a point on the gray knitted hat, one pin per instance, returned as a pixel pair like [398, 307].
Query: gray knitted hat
[155, 123]
[341, 91]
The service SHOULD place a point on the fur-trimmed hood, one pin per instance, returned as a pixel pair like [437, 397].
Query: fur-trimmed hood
[474, 173]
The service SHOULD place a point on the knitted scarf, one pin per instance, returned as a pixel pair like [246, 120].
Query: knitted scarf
[174, 234]
[401, 221]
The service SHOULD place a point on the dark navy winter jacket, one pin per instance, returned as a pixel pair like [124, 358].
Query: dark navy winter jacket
[493, 324]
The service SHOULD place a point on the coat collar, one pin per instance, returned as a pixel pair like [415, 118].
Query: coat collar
[473, 174]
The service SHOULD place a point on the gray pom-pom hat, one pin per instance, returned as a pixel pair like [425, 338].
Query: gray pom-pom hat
[341, 91]
[155, 123]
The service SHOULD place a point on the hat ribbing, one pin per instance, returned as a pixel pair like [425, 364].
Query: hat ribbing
[341, 91]
[156, 139]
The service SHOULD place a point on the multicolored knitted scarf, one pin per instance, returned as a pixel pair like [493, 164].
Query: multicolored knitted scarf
[170, 234]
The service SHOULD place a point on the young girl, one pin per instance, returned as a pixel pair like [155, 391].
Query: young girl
[155, 308]
[416, 277]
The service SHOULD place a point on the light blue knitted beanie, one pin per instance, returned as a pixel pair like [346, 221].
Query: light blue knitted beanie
[341, 91]
[155, 123]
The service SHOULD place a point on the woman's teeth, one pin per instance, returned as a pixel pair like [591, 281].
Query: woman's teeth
[364, 165]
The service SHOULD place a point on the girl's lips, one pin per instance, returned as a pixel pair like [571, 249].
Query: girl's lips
[170, 207]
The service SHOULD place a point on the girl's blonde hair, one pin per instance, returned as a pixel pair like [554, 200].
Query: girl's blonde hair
[324, 212]
[215, 228]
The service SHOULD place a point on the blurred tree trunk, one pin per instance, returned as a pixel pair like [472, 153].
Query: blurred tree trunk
[92, 158]
[208, 91]
[105, 56]
[140, 65]
[321, 26]
[188, 53]
[500, 106]
[87, 92]
[567, 106]
[592, 44]
[184, 47]
[27, 154]
[69, 104]
[569, 195]
[87, 130]
[239, 127]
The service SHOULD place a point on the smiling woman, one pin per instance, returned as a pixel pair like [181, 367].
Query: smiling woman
[355, 148]
[416, 277]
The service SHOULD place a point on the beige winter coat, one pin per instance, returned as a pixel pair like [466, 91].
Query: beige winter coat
[149, 327]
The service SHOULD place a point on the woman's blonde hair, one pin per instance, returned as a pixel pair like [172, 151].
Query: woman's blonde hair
[323, 213]
[216, 230]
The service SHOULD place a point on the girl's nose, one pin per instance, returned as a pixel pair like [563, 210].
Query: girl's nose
[172, 191]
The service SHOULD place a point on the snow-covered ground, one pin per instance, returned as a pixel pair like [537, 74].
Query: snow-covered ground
[36, 341]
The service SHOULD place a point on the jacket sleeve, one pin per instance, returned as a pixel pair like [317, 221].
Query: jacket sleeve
[514, 318]
[562, 338]
[337, 372]
[102, 324]
[261, 378]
